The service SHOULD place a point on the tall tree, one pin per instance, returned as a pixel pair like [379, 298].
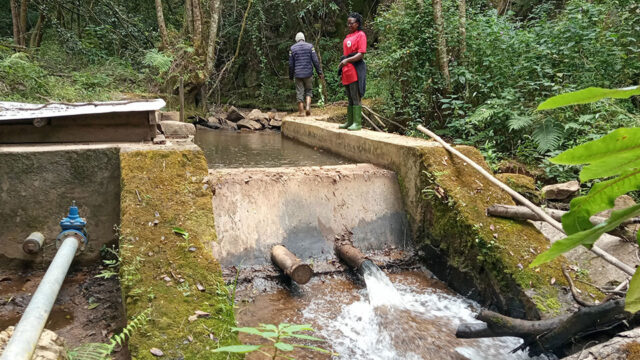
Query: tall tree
[161, 25]
[15, 18]
[462, 25]
[215, 7]
[197, 25]
[441, 49]
[24, 5]
[36, 34]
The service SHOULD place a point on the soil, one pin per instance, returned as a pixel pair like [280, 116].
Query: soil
[88, 309]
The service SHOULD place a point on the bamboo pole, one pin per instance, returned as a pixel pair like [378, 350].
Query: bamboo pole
[522, 200]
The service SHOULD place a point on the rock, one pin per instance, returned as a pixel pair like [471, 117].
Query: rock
[170, 116]
[264, 122]
[621, 202]
[560, 191]
[200, 287]
[523, 184]
[249, 124]
[620, 347]
[228, 125]
[159, 140]
[280, 115]
[177, 129]
[156, 352]
[50, 346]
[256, 115]
[275, 123]
[213, 122]
[234, 115]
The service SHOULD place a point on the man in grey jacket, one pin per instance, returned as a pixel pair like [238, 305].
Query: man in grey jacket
[302, 60]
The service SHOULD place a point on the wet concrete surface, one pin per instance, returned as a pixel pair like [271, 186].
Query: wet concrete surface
[87, 309]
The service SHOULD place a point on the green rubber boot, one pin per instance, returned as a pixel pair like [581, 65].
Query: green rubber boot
[349, 118]
[357, 118]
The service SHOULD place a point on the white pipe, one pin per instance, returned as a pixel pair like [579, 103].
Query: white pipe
[27, 333]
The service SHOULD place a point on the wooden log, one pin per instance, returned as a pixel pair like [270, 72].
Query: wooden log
[291, 265]
[523, 213]
[549, 335]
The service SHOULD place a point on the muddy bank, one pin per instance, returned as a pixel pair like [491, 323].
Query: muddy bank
[88, 309]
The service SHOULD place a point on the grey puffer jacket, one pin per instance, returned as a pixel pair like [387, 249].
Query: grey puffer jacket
[302, 60]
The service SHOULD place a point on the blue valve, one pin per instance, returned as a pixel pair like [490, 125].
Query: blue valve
[72, 225]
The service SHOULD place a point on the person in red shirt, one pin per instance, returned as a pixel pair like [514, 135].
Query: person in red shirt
[353, 70]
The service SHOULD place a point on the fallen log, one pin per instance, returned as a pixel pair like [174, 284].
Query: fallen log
[519, 212]
[550, 335]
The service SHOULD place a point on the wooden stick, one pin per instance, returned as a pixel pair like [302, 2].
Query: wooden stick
[371, 122]
[181, 94]
[382, 117]
[522, 200]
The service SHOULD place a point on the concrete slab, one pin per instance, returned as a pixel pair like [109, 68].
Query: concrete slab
[304, 208]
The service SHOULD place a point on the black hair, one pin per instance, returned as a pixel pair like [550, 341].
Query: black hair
[358, 17]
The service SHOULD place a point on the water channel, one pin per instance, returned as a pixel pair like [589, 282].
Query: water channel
[379, 316]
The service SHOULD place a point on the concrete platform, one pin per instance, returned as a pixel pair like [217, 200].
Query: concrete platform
[304, 208]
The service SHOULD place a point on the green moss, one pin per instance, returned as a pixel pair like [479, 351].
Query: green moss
[494, 252]
[166, 186]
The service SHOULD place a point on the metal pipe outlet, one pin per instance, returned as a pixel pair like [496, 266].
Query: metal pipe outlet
[25, 337]
[349, 254]
[291, 265]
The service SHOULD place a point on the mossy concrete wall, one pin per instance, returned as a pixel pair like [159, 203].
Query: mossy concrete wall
[37, 186]
[482, 257]
[172, 275]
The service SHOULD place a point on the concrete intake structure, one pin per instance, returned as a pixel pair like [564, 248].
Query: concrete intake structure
[291, 265]
[349, 254]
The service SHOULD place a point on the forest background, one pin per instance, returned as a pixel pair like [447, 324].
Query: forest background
[473, 71]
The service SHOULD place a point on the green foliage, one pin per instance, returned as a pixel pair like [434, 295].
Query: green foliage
[614, 156]
[586, 237]
[111, 260]
[275, 334]
[102, 351]
[159, 61]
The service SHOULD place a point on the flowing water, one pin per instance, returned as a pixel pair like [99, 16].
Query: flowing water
[228, 149]
[405, 315]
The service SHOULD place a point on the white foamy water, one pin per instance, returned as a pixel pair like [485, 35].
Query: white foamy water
[396, 321]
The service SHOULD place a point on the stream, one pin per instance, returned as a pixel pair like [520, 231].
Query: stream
[401, 315]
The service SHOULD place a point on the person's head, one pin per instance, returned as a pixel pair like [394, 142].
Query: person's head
[354, 22]
[299, 37]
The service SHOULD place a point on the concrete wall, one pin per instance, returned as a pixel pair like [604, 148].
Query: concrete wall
[37, 186]
[479, 256]
[304, 208]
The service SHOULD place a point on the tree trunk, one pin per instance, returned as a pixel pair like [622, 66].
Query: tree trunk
[188, 13]
[462, 16]
[15, 17]
[214, 7]
[24, 5]
[161, 25]
[442, 43]
[36, 35]
[197, 25]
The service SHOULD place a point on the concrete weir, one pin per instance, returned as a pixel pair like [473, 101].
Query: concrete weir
[304, 208]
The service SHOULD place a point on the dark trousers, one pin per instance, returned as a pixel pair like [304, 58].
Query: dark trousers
[353, 94]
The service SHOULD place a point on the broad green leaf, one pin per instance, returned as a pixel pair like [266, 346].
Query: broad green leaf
[632, 300]
[296, 328]
[242, 349]
[179, 231]
[587, 237]
[607, 156]
[248, 330]
[316, 349]
[283, 346]
[588, 95]
[601, 197]
[306, 337]
[269, 327]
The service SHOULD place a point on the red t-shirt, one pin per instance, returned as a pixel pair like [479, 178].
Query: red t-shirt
[354, 43]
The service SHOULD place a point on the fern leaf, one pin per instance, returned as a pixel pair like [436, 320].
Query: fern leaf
[518, 122]
[547, 135]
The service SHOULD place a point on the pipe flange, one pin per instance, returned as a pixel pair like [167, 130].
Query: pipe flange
[82, 239]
